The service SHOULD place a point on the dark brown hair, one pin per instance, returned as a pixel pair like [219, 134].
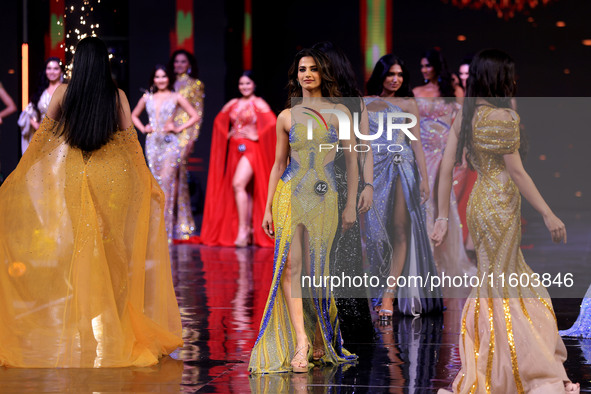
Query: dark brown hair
[328, 84]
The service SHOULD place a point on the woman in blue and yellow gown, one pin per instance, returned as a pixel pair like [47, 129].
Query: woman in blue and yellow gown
[85, 277]
[509, 340]
[302, 207]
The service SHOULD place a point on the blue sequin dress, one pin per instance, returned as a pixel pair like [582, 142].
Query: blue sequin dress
[582, 327]
[388, 166]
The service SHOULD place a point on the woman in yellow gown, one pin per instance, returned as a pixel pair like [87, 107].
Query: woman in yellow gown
[85, 279]
[509, 340]
[302, 207]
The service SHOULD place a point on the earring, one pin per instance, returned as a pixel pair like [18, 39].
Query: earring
[189, 70]
[426, 81]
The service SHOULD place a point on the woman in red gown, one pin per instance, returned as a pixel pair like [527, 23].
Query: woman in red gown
[241, 157]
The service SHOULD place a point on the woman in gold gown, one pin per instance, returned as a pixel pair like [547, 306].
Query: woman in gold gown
[85, 279]
[509, 340]
[302, 206]
[183, 66]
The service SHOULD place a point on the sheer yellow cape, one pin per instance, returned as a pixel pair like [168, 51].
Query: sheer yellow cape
[85, 277]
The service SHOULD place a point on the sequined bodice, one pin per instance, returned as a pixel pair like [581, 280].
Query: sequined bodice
[436, 117]
[159, 118]
[492, 139]
[243, 118]
[242, 115]
[307, 155]
[494, 206]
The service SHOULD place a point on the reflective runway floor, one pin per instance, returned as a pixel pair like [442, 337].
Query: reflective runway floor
[222, 293]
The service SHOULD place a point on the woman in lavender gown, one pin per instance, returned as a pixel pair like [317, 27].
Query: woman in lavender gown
[395, 229]
[438, 108]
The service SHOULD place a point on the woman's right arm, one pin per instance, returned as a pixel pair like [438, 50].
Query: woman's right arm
[7, 100]
[135, 116]
[281, 157]
[529, 190]
[366, 168]
[445, 182]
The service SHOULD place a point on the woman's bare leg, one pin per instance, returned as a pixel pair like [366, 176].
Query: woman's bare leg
[292, 272]
[400, 236]
[242, 177]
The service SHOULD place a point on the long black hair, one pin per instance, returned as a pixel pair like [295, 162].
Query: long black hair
[491, 77]
[343, 72]
[44, 82]
[382, 68]
[193, 70]
[439, 64]
[328, 84]
[91, 103]
[157, 67]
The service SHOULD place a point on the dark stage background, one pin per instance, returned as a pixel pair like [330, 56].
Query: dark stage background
[551, 61]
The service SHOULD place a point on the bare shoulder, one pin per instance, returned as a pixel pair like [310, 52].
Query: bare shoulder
[261, 105]
[229, 105]
[343, 108]
[284, 119]
[418, 91]
[177, 96]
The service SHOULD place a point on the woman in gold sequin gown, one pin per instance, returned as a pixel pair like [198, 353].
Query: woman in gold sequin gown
[509, 340]
[183, 66]
[302, 205]
[84, 265]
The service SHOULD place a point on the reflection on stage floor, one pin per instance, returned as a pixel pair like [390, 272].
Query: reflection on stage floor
[222, 293]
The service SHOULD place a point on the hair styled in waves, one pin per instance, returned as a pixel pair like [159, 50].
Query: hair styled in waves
[328, 85]
[492, 78]
[91, 103]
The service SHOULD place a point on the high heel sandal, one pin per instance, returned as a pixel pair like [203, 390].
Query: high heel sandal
[386, 314]
[299, 362]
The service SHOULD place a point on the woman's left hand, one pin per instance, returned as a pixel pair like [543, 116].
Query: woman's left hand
[365, 200]
[439, 232]
[349, 216]
[169, 128]
[424, 190]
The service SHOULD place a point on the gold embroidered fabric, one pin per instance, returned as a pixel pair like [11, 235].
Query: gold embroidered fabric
[85, 276]
[509, 341]
[194, 91]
